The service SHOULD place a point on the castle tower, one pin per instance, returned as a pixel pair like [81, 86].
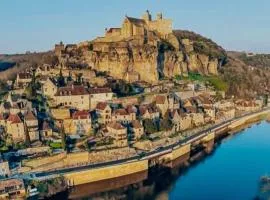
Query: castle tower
[147, 16]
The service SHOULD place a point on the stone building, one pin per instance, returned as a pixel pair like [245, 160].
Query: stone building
[31, 122]
[118, 133]
[136, 130]
[15, 128]
[4, 169]
[99, 95]
[140, 27]
[74, 96]
[104, 113]
[181, 121]
[149, 111]
[124, 116]
[23, 79]
[79, 123]
[49, 88]
[45, 131]
[12, 189]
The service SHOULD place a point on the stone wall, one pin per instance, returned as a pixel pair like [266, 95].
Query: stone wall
[98, 174]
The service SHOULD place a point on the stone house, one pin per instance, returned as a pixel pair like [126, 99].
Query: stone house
[45, 131]
[136, 130]
[118, 133]
[23, 79]
[181, 121]
[12, 189]
[225, 114]
[15, 128]
[247, 106]
[210, 111]
[149, 111]
[162, 103]
[197, 119]
[31, 122]
[49, 88]
[99, 95]
[4, 169]
[81, 121]
[124, 116]
[74, 96]
[104, 113]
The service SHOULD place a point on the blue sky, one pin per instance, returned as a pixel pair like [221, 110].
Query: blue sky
[36, 25]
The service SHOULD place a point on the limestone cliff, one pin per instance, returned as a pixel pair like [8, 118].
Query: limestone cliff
[152, 57]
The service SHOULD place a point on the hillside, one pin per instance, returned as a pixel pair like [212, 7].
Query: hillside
[10, 65]
[246, 78]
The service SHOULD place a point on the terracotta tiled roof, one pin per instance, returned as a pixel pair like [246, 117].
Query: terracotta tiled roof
[150, 108]
[83, 114]
[99, 90]
[45, 126]
[71, 90]
[30, 116]
[10, 183]
[131, 109]
[14, 119]
[116, 125]
[120, 112]
[136, 124]
[101, 105]
[25, 75]
[160, 99]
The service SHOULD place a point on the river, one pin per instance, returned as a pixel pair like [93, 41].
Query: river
[231, 171]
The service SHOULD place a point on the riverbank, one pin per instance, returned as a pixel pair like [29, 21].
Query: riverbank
[219, 170]
[83, 176]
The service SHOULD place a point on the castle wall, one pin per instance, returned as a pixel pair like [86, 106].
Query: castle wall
[163, 26]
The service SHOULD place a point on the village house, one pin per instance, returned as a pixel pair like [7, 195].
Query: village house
[162, 104]
[104, 113]
[74, 96]
[118, 133]
[12, 189]
[149, 111]
[15, 128]
[23, 79]
[197, 119]
[49, 88]
[210, 111]
[225, 114]
[99, 95]
[124, 116]
[136, 130]
[32, 126]
[81, 123]
[247, 106]
[45, 131]
[180, 120]
[4, 169]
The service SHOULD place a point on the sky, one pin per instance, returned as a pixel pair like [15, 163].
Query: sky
[36, 25]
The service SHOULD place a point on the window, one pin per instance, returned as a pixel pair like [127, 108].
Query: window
[81, 97]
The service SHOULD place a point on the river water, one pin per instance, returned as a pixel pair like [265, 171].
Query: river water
[231, 172]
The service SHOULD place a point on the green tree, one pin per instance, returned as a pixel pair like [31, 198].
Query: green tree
[150, 126]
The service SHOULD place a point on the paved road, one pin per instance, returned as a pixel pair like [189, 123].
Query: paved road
[148, 154]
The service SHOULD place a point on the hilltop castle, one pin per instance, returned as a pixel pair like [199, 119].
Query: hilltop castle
[139, 27]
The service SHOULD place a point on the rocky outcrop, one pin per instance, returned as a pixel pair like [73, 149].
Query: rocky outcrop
[148, 58]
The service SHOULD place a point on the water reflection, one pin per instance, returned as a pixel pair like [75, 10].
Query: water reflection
[159, 182]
